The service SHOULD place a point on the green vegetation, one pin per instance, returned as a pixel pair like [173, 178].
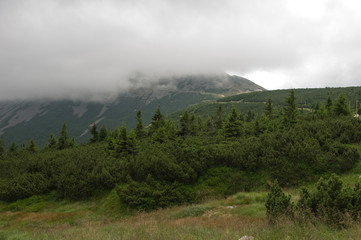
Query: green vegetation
[306, 98]
[168, 164]
[330, 202]
[103, 217]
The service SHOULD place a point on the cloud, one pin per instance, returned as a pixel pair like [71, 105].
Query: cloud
[78, 48]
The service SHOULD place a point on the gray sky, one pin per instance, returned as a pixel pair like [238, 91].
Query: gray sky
[72, 48]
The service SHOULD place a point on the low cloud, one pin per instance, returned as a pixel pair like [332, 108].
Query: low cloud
[61, 49]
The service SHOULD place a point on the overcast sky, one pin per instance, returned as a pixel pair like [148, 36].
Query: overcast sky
[60, 48]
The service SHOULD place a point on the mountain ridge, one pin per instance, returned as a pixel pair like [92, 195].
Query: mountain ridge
[21, 120]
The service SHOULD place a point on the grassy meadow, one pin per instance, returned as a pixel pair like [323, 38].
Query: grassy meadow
[46, 217]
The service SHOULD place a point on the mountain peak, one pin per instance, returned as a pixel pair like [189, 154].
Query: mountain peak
[219, 85]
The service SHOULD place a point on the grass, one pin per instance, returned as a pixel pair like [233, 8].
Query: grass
[244, 213]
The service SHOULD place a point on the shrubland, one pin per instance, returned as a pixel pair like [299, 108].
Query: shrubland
[171, 163]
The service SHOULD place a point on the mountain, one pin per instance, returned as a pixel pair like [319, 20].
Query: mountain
[37, 119]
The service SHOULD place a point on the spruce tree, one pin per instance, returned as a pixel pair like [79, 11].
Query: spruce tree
[32, 147]
[63, 141]
[341, 107]
[199, 126]
[290, 111]
[210, 125]
[219, 118]
[250, 116]
[139, 129]
[184, 130]
[269, 108]
[133, 143]
[329, 104]
[72, 142]
[94, 133]
[157, 120]
[122, 141]
[51, 142]
[193, 128]
[103, 134]
[317, 107]
[13, 147]
[2, 147]
[233, 126]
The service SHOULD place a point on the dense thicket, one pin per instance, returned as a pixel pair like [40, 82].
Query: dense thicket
[169, 163]
[330, 202]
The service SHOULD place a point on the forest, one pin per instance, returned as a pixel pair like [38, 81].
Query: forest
[168, 163]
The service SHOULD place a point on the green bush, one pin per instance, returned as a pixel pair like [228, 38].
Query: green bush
[331, 202]
[278, 204]
[152, 194]
[24, 186]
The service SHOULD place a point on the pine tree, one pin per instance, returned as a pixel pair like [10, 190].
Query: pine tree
[94, 133]
[329, 104]
[321, 111]
[199, 126]
[63, 141]
[317, 107]
[257, 128]
[219, 118]
[341, 107]
[210, 125]
[233, 126]
[139, 129]
[51, 142]
[103, 134]
[290, 111]
[241, 117]
[111, 144]
[13, 147]
[2, 147]
[277, 204]
[165, 133]
[250, 116]
[133, 143]
[157, 120]
[269, 108]
[22, 147]
[193, 128]
[32, 147]
[122, 142]
[72, 143]
[184, 130]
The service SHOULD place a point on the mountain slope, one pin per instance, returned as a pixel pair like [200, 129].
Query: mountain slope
[255, 101]
[22, 120]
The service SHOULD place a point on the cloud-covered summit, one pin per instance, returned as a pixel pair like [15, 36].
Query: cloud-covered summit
[76, 48]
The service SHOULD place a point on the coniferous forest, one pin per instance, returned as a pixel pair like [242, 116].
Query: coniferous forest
[169, 163]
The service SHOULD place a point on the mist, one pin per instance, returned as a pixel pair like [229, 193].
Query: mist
[75, 49]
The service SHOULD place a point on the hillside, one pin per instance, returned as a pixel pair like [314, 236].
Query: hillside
[20, 120]
[130, 181]
[307, 99]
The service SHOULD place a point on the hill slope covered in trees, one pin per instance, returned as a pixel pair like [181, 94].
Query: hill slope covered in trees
[171, 163]
[40, 118]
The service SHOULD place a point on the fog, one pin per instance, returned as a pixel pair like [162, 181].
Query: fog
[86, 48]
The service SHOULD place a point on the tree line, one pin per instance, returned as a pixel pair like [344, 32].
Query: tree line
[167, 163]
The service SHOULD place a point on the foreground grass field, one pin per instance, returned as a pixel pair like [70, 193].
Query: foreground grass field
[44, 217]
